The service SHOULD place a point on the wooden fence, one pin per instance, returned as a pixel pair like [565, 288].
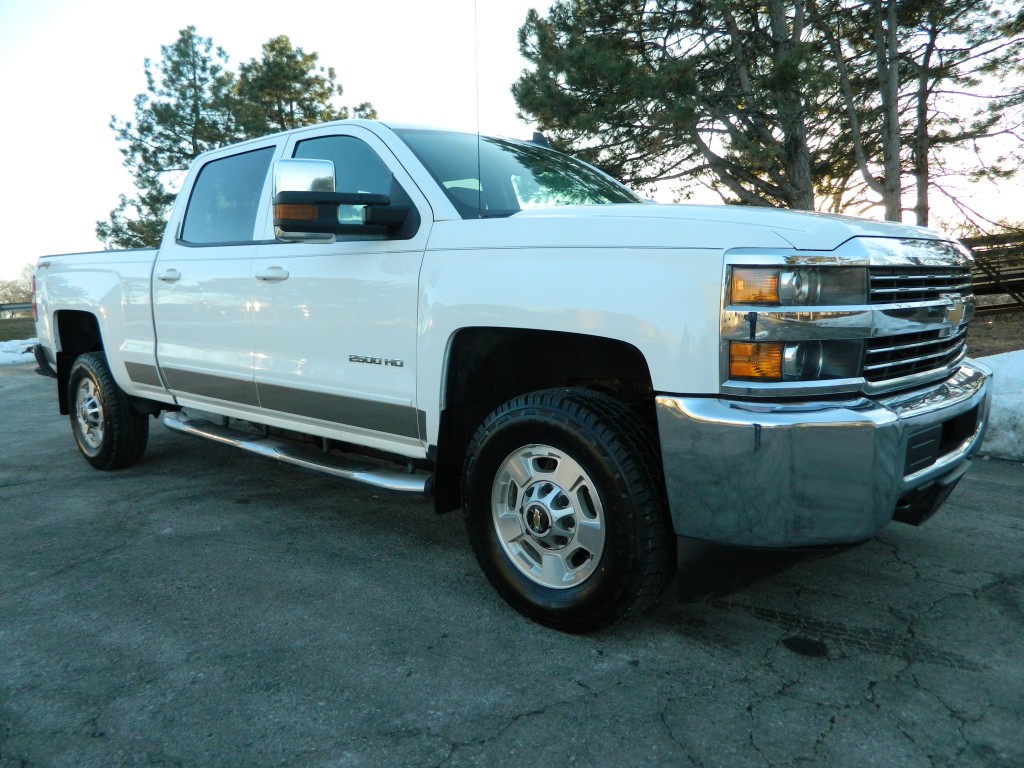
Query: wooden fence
[999, 270]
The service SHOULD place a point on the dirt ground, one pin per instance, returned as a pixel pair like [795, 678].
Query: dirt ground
[995, 334]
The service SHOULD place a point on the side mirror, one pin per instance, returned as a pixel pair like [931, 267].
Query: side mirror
[307, 207]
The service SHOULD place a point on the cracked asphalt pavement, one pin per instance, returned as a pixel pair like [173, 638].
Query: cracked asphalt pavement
[210, 608]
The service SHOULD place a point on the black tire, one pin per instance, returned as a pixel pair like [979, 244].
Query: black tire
[579, 476]
[107, 430]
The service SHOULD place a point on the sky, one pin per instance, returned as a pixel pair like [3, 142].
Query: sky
[67, 66]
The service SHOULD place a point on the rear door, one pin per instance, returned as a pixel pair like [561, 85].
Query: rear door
[203, 283]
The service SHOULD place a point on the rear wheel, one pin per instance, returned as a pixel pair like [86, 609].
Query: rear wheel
[564, 509]
[109, 433]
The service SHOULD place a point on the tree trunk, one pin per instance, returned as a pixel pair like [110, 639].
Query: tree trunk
[796, 154]
[886, 53]
[922, 134]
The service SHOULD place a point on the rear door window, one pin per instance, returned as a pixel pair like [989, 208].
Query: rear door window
[225, 199]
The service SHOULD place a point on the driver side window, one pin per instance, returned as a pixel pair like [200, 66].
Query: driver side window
[358, 168]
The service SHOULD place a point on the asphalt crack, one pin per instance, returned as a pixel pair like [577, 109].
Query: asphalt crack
[876, 641]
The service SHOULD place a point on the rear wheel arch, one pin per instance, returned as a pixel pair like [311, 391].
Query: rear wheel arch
[76, 333]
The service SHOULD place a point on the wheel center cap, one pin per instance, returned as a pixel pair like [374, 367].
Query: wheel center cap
[538, 520]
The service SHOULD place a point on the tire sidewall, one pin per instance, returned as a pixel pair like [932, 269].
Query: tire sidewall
[573, 605]
[85, 368]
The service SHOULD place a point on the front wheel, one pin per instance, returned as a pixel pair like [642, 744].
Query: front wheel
[108, 431]
[564, 509]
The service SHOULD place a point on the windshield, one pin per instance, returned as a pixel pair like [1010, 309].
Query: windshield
[508, 176]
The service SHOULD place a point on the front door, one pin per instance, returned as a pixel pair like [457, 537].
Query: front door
[334, 324]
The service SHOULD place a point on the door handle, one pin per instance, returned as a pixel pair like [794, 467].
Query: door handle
[169, 276]
[272, 275]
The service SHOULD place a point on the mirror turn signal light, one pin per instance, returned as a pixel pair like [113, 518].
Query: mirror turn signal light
[295, 212]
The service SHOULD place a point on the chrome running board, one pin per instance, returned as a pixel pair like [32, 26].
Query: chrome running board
[308, 457]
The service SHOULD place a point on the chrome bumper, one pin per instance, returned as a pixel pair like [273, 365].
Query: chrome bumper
[791, 475]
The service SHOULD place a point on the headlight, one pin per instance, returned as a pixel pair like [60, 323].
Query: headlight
[798, 287]
[794, 361]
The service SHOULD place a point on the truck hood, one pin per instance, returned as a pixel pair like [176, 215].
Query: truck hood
[725, 223]
[653, 225]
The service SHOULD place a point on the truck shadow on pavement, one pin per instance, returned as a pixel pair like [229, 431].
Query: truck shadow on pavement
[714, 571]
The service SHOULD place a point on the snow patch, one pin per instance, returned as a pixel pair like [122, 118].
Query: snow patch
[17, 352]
[1005, 436]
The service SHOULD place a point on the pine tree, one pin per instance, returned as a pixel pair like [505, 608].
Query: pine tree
[284, 89]
[185, 110]
[797, 103]
[193, 103]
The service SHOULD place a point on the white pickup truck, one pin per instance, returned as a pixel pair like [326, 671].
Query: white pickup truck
[587, 375]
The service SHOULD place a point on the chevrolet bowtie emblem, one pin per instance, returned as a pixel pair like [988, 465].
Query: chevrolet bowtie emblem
[956, 311]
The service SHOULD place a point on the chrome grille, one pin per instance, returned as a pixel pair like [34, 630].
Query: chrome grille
[890, 285]
[893, 357]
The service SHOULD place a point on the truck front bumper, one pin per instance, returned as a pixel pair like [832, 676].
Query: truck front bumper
[807, 474]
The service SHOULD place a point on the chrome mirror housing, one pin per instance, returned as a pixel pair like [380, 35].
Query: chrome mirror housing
[302, 176]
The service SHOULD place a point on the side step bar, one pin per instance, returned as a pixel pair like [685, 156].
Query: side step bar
[308, 457]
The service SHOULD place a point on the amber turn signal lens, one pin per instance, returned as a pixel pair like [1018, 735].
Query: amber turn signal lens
[293, 212]
[748, 360]
[754, 286]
